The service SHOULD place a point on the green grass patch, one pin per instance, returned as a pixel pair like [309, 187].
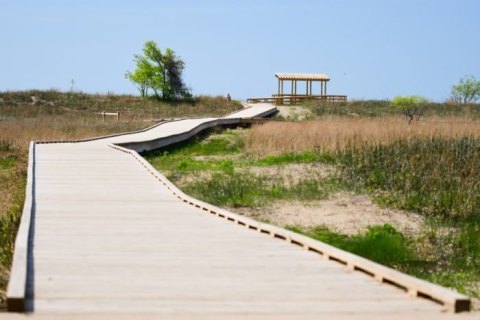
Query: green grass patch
[8, 162]
[245, 189]
[236, 190]
[296, 157]
[182, 156]
[382, 244]
[228, 187]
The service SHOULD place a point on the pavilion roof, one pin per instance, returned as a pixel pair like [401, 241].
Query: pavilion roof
[302, 76]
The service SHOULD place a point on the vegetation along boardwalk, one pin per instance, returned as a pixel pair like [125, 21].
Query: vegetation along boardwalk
[102, 232]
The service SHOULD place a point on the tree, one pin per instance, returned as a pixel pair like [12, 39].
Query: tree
[174, 67]
[411, 106]
[142, 76]
[467, 90]
[162, 73]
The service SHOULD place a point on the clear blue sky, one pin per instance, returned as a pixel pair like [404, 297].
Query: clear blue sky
[370, 48]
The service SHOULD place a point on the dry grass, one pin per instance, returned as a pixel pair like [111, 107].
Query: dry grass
[34, 103]
[336, 133]
[21, 131]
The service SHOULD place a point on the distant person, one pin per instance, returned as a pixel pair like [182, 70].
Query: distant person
[228, 97]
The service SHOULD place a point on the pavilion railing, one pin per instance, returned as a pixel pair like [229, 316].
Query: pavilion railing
[292, 99]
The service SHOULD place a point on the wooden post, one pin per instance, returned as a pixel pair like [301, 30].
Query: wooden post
[118, 115]
[278, 86]
[311, 87]
[103, 115]
[281, 101]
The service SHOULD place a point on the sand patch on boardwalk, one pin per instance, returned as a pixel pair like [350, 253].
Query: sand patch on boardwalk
[343, 212]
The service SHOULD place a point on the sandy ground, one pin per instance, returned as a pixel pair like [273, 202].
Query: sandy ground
[343, 212]
[293, 173]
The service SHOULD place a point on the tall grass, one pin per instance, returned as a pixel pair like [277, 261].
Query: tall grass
[437, 176]
[336, 133]
[21, 131]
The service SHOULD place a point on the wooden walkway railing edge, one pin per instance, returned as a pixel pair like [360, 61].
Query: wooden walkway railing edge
[17, 285]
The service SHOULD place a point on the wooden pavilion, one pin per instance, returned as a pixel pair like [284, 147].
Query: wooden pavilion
[294, 97]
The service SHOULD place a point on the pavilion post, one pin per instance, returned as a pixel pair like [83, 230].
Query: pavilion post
[281, 100]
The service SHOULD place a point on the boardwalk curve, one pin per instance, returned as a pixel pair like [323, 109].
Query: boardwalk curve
[103, 232]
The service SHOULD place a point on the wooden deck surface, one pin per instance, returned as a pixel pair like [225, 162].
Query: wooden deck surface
[107, 237]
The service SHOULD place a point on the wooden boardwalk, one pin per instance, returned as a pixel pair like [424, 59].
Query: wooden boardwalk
[110, 235]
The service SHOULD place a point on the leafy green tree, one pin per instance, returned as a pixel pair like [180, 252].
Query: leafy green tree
[411, 106]
[467, 90]
[162, 73]
[142, 76]
[154, 57]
